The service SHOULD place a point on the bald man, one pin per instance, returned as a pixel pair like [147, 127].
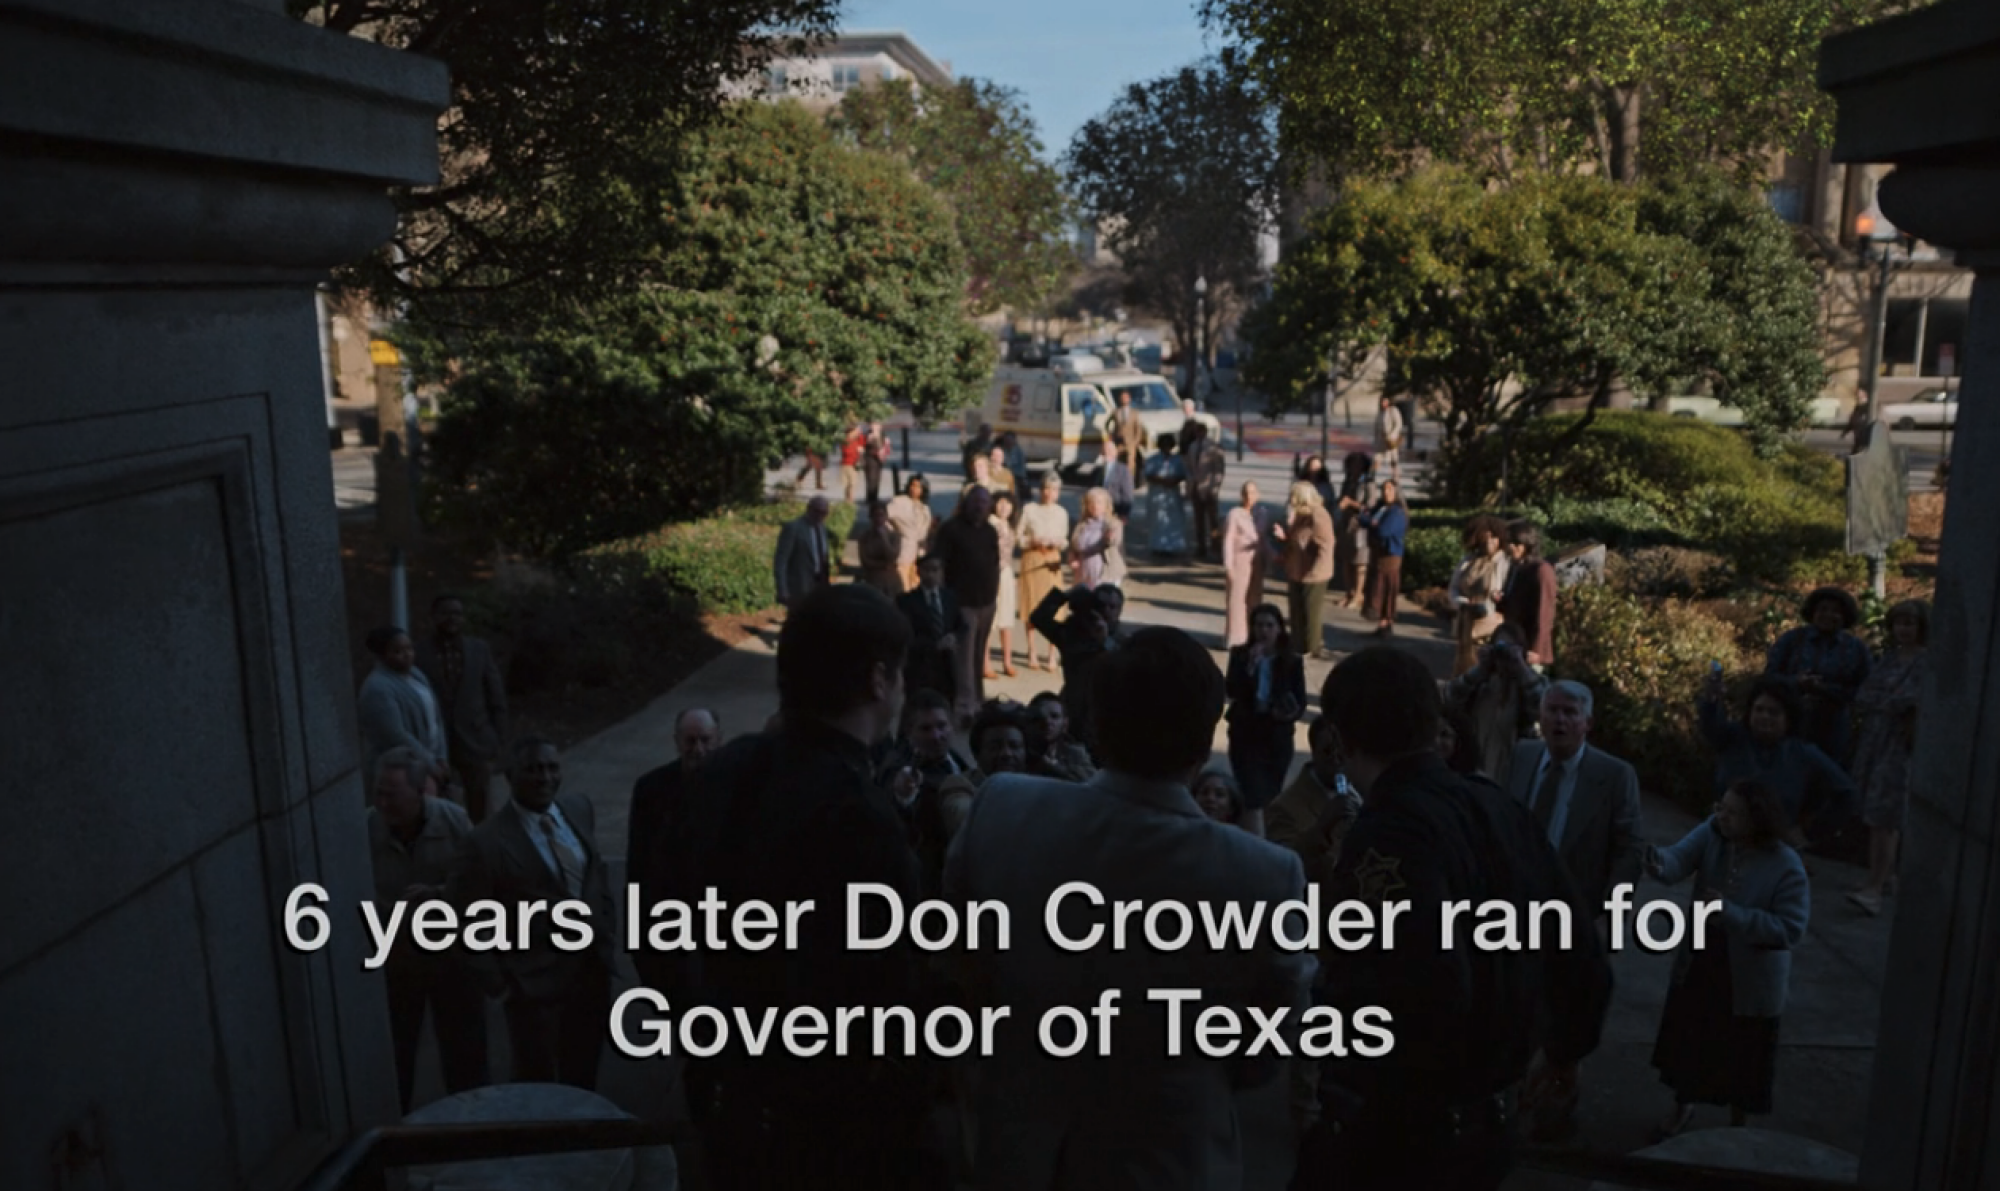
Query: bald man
[658, 797]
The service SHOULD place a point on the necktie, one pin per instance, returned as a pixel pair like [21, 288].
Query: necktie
[937, 610]
[1545, 798]
[569, 863]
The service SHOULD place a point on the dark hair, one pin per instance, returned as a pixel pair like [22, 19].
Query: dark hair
[1154, 704]
[1229, 787]
[1915, 611]
[523, 745]
[930, 558]
[1784, 691]
[1484, 523]
[1044, 697]
[446, 597]
[378, 639]
[1464, 758]
[996, 715]
[831, 644]
[1083, 601]
[918, 479]
[1357, 464]
[921, 700]
[1850, 611]
[1271, 610]
[1166, 443]
[1384, 703]
[1524, 533]
[1513, 629]
[1767, 814]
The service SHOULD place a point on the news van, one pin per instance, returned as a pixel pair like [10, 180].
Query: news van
[1059, 412]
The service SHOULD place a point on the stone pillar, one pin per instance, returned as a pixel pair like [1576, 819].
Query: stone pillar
[175, 684]
[1917, 91]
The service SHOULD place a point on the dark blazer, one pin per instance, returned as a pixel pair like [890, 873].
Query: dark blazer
[1601, 844]
[1530, 603]
[475, 714]
[927, 666]
[658, 800]
[1287, 678]
[500, 862]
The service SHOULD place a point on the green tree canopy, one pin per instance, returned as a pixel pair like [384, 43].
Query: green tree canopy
[788, 285]
[1491, 304]
[552, 100]
[974, 143]
[1180, 174]
[1628, 86]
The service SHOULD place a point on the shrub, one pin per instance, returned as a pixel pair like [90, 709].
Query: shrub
[722, 563]
[1669, 572]
[1430, 555]
[1645, 661]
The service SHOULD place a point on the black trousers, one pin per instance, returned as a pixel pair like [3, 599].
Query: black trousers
[561, 1039]
[458, 1018]
[1365, 1158]
[762, 1138]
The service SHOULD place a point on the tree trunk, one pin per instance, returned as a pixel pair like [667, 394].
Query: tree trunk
[1622, 121]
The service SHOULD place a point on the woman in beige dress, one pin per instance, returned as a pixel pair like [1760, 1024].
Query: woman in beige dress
[1044, 537]
[1005, 608]
[1475, 589]
[881, 546]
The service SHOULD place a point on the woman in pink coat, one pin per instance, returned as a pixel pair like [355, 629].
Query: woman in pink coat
[1244, 551]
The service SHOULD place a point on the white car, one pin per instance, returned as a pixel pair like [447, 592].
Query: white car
[1825, 411]
[1932, 407]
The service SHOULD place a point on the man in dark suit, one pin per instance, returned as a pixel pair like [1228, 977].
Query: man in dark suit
[540, 847]
[803, 562]
[659, 796]
[471, 697]
[932, 610]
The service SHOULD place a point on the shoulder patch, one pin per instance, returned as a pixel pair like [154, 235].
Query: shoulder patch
[1379, 875]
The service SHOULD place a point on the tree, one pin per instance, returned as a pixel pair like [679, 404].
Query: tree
[1180, 175]
[1491, 304]
[1627, 87]
[975, 144]
[551, 100]
[788, 285]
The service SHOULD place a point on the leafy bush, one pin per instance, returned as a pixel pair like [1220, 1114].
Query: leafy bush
[1634, 479]
[1430, 555]
[722, 563]
[1670, 572]
[1645, 661]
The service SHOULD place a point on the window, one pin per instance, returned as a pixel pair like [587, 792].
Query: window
[1150, 396]
[1788, 200]
[846, 77]
[776, 82]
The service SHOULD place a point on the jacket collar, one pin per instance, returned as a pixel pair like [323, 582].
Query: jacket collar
[1157, 793]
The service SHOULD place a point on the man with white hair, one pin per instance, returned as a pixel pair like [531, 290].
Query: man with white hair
[1585, 799]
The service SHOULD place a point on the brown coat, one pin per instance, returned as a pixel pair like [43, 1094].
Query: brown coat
[1529, 604]
[1309, 548]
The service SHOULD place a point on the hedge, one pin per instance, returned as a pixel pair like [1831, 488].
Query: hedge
[723, 562]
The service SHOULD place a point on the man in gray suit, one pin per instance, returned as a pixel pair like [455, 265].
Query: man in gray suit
[1585, 799]
[541, 847]
[803, 562]
[1138, 1119]
[471, 698]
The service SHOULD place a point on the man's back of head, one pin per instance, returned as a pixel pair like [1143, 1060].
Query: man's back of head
[1156, 700]
[1384, 704]
[839, 650]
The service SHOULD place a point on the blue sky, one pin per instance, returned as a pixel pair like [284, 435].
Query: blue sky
[1068, 58]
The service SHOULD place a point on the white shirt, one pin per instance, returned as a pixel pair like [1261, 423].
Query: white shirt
[1565, 790]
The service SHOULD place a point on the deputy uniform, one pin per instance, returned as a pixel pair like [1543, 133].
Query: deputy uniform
[1437, 1111]
[790, 817]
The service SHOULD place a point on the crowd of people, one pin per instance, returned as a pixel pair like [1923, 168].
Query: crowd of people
[1484, 786]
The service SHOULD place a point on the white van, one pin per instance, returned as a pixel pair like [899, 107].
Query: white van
[1058, 413]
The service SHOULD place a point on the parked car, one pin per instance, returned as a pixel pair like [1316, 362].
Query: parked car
[1932, 407]
[1826, 411]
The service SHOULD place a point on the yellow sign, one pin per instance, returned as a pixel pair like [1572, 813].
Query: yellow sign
[383, 353]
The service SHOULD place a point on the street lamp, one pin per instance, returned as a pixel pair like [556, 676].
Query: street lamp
[1877, 237]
